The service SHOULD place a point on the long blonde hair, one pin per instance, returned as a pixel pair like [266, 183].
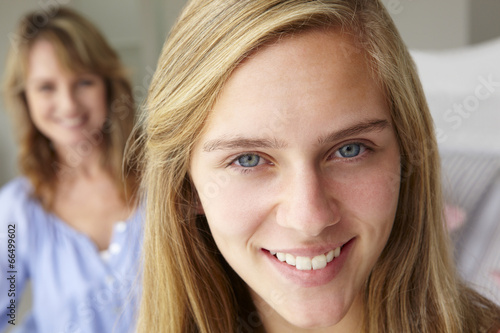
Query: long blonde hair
[79, 47]
[187, 286]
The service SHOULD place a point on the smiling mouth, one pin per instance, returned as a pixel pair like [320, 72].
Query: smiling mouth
[307, 263]
[72, 122]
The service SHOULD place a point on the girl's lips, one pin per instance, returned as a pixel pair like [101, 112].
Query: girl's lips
[301, 274]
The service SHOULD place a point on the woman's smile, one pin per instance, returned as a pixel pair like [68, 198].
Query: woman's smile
[308, 270]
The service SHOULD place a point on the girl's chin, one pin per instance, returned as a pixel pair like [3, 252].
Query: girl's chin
[313, 323]
[308, 317]
[343, 311]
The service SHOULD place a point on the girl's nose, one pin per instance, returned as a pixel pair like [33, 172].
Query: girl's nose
[307, 204]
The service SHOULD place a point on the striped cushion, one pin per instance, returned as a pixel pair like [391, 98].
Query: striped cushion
[467, 177]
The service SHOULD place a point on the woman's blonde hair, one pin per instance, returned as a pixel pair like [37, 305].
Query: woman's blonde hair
[80, 47]
[188, 287]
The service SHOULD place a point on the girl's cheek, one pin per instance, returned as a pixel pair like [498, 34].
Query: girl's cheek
[372, 192]
[232, 207]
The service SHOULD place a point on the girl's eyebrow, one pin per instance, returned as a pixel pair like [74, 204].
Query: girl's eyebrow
[363, 127]
[239, 142]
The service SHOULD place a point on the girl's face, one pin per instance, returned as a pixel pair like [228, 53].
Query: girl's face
[298, 174]
[66, 107]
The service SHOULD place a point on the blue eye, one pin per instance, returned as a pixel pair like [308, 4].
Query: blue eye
[351, 150]
[248, 160]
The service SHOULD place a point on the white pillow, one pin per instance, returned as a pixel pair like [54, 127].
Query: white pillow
[462, 87]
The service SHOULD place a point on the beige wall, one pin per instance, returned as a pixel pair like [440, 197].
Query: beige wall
[431, 24]
[9, 13]
[485, 20]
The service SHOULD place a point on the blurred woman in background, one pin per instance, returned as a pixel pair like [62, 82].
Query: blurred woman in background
[73, 215]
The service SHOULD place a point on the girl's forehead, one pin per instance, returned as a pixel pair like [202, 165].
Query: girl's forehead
[296, 81]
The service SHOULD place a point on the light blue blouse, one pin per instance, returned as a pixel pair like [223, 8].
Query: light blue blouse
[76, 288]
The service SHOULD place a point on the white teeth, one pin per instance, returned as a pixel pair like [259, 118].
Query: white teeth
[303, 263]
[281, 256]
[319, 262]
[330, 255]
[307, 263]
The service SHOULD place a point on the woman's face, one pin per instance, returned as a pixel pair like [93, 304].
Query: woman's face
[299, 168]
[66, 107]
